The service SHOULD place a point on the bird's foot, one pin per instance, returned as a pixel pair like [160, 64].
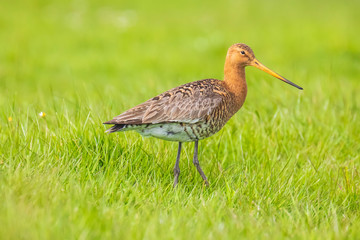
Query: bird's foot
[206, 183]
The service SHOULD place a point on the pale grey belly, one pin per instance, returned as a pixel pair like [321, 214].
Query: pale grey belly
[175, 131]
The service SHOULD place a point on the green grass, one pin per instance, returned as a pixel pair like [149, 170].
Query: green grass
[286, 166]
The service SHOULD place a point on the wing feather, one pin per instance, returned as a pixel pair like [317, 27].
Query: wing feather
[189, 103]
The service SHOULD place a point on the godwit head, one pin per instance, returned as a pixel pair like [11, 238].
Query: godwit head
[241, 55]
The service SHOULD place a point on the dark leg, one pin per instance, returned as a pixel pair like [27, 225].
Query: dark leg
[197, 164]
[176, 168]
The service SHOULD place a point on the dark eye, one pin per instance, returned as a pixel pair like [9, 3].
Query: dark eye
[242, 52]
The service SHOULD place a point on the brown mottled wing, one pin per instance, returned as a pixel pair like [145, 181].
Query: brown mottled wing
[191, 102]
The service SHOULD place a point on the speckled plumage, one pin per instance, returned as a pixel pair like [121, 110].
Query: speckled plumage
[195, 110]
[190, 112]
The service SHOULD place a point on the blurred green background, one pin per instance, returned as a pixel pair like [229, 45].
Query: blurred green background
[286, 166]
[121, 47]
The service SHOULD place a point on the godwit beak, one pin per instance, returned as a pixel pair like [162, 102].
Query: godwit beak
[260, 66]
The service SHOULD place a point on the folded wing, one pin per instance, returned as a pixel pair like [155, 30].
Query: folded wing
[189, 103]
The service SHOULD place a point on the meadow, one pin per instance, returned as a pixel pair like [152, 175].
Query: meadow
[286, 166]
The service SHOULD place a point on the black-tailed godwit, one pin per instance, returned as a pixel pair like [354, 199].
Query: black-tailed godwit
[195, 110]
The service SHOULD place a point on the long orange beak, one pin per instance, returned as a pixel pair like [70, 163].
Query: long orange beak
[260, 66]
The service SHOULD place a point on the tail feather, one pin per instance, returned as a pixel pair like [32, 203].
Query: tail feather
[115, 128]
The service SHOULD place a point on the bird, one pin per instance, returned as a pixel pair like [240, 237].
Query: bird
[196, 110]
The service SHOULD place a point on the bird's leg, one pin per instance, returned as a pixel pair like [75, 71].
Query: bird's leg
[177, 168]
[197, 164]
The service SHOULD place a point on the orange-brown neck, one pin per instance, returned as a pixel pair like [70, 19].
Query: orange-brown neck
[235, 80]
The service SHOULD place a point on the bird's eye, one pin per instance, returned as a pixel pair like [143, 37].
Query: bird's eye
[242, 52]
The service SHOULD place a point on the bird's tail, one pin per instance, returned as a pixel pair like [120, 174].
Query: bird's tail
[115, 128]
